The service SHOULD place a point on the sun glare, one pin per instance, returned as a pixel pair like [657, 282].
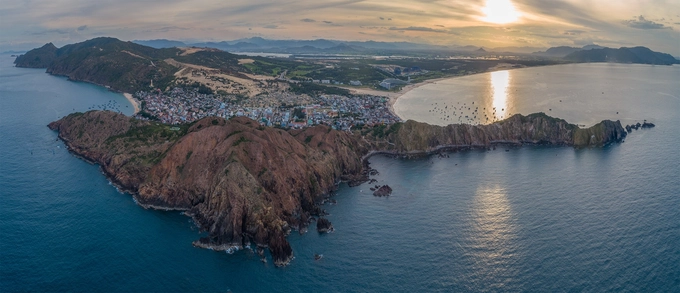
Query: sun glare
[500, 12]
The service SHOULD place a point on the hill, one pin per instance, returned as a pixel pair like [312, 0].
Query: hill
[161, 43]
[563, 51]
[243, 183]
[38, 58]
[123, 66]
[639, 55]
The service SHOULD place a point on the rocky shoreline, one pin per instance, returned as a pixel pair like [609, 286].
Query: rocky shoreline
[243, 183]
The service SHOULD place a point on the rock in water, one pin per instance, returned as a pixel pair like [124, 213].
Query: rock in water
[323, 225]
[384, 190]
[281, 251]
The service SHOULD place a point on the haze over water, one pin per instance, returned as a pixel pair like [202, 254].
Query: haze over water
[531, 219]
[579, 93]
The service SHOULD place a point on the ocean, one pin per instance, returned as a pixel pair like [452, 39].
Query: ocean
[531, 219]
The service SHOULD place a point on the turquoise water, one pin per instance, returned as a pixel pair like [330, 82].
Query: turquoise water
[531, 219]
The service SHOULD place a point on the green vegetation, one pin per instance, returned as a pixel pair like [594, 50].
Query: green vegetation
[130, 67]
[124, 66]
[313, 89]
[148, 116]
[38, 58]
[151, 133]
[226, 62]
[299, 114]
[274, 67]
[379, 131]
[202, 89]
[349, 71]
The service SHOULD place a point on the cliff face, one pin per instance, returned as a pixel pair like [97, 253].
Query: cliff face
[240, 182]
[416, 137]
[243, 183]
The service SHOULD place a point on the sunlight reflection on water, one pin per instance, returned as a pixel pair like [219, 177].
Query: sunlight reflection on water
[500, 82]
[492, 248]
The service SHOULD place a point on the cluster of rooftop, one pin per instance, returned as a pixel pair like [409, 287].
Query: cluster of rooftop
[287, 110]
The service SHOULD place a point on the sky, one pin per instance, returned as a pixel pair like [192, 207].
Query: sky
[25, 24]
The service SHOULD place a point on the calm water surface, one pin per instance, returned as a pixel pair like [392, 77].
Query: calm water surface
[531, 219]
[580, 93]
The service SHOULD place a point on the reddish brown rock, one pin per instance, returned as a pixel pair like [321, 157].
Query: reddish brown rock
[242, 183]
[237, 180]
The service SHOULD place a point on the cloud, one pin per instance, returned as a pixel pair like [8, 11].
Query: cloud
[573, 32]
[445, 22]
[644, 24]
[330, 23]
[416, 29]
[52, 31]
[171, 28]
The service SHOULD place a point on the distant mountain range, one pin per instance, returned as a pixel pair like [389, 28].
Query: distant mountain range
[589, 53]
[323, 46]
[639, 55]
[128, 67]
[285, 46]
[563, 51]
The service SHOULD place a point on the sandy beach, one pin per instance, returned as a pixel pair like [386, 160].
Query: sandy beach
[394, 96]
[133, 101]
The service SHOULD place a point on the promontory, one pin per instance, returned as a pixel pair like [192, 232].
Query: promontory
[244, 183]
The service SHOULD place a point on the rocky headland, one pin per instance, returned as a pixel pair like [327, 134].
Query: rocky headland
[244, 183]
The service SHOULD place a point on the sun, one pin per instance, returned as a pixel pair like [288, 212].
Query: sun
[500, 12]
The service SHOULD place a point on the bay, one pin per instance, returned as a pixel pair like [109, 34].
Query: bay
[531, 219]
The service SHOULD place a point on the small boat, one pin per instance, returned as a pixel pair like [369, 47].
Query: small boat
[318, 256]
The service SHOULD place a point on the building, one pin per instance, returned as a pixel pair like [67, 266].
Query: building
[390, 82]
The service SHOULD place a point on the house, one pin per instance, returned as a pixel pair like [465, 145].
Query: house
[297, 125]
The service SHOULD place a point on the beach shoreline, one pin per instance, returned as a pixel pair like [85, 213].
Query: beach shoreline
[410, 87]
[392, 97]
[134, 102]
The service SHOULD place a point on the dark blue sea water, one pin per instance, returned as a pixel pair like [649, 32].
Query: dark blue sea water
[531, 219]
